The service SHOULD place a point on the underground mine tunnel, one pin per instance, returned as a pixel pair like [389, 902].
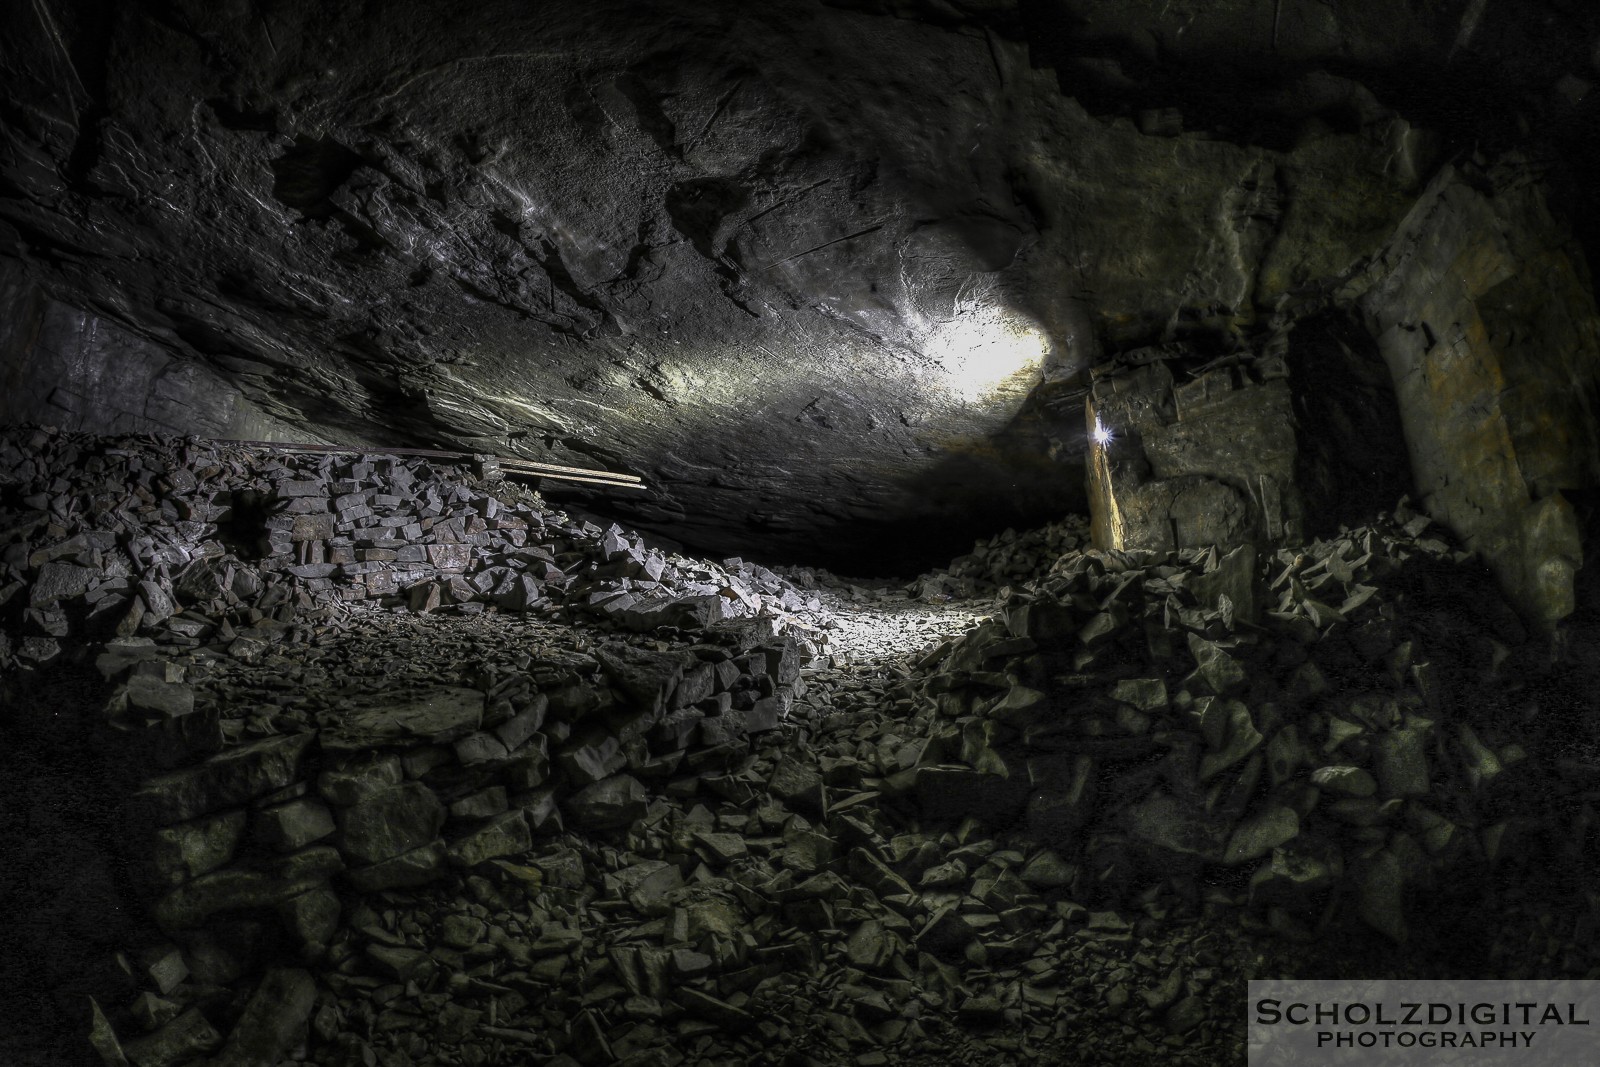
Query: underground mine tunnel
[864, 532]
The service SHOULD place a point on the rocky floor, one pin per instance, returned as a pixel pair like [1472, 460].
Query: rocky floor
[777, 947]
[1046, 805]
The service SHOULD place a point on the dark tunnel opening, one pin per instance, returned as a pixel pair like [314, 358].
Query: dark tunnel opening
[1352, 455]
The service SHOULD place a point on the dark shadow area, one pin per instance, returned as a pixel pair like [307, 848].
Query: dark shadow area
[1041, 451]
[906, 548]
[241, 529]
[69, 893]
[311, 171]
[1477, 97]
[1027, 474]
[1566, 696]
[1352, 461]
[1493, 673]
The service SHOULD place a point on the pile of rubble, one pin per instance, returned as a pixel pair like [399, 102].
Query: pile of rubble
[1008, 558]
[198, 543]
[485, 826]
[1350, 731]
[1168, 714]
[316, 779]
[394, 899]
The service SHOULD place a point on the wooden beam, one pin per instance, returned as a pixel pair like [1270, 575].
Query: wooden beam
[508, 463]
[577, 480]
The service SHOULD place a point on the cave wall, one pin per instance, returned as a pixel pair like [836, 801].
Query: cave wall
[1482, 311]
[829, 276]
[77, 371]
[800, 270]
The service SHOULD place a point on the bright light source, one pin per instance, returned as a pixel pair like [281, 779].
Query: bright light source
[985, 349]
[1102, 435]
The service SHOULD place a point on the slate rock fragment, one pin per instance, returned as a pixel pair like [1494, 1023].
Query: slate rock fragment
[273, 1022]
[389, 823]
[187, 850]
[292, 826]
[179, 1041]
[229, 778]
[506, 834]
[605, 805]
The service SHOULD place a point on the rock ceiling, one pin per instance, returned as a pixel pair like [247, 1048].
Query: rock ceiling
[828, 275]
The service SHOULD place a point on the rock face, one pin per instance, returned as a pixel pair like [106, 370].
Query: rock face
[1484, 311]
[822, 271]
[830, 277]
[1481, 310]
[1208, 461]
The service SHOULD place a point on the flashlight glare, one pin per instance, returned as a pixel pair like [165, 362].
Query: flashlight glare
[1102, 436]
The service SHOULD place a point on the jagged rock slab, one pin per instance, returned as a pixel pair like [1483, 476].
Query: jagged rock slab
[432, 716]
[232, 777]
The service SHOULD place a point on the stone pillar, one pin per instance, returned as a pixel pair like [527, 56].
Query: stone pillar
[1483, 309]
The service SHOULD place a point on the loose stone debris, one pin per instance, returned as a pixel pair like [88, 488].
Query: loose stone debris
[418, 770]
